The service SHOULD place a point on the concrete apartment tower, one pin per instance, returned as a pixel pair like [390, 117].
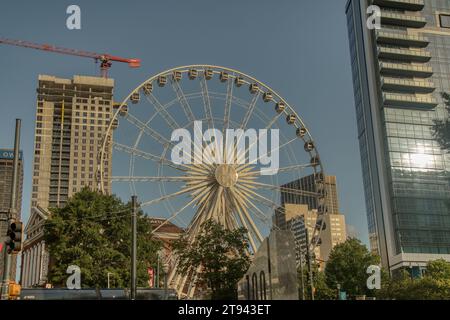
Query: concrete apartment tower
[399, 72]
[6, 180]
[71, 122]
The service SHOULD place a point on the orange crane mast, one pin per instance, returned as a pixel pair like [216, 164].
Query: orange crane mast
[104, 59]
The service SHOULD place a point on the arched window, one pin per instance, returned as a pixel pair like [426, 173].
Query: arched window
[254, 286]
[262, 281]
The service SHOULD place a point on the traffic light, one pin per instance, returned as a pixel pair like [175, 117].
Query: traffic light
[14, 242]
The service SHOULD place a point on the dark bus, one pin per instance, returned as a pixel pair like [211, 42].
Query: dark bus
[95, 294]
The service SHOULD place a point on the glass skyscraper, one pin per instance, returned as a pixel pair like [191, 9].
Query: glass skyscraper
[400, 72]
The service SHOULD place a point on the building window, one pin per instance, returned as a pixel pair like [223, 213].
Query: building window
[445, 20]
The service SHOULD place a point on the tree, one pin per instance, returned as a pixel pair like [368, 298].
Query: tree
[441, 128]
[434, 285]
[93, 231]
[438, 269]
[321, 289]
[220, 255]
[347, 266]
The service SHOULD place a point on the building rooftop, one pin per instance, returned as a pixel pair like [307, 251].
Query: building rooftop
[77, 79]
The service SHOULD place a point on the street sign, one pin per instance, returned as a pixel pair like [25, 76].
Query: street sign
[8, 154]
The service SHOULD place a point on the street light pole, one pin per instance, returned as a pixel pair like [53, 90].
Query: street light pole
[12, 212]
[133, 246]
[165, 270]
[157, 273]
[108, 279]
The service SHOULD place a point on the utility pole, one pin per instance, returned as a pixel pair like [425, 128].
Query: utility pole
[308, 258]
[12, 212]
[133, 246]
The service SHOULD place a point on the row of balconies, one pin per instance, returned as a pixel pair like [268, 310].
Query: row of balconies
[404, 84]
[403, 20]
[402, 39]
[404, 55]
[408, 5]
[405, 70]
[407, 85]
[408, 101]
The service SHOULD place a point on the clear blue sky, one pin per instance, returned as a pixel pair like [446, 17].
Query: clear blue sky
[298, 47]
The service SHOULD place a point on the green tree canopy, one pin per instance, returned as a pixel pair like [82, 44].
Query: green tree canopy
[321, 289]
[434, 285]
[220, 254]
[93, 231]
[347, 266]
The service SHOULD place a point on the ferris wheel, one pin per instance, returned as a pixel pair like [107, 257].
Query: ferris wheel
[237, 184]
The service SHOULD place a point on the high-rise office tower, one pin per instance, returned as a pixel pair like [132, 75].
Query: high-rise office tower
[399, 73]
[298, 213]
[300, 218]
[308, 183]
[71, 121]
[6, 180]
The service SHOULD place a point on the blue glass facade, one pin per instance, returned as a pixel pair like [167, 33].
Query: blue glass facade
[399, 74]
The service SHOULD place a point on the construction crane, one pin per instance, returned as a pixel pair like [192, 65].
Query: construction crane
[104, 59]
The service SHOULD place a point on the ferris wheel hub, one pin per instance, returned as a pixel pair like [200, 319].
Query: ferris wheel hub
[226, 175]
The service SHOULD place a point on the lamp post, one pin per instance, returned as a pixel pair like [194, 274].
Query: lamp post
[108, 274]
[165, 270]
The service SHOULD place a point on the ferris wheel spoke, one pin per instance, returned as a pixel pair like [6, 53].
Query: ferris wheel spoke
[238, 212]
[183, 101]
[250, 109]
[253, 174]
[207, 108]
[298, 192]
[269, 125]
[202, 213]
[173, 216]
[244, 205]
[253, 162]
[295, 167]
[250, 234]
[206, 102]
[148, 156]
[259, 213]
[161, 110]
[263, 200]
[164, 198]
[146, 129]
[228, 100]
